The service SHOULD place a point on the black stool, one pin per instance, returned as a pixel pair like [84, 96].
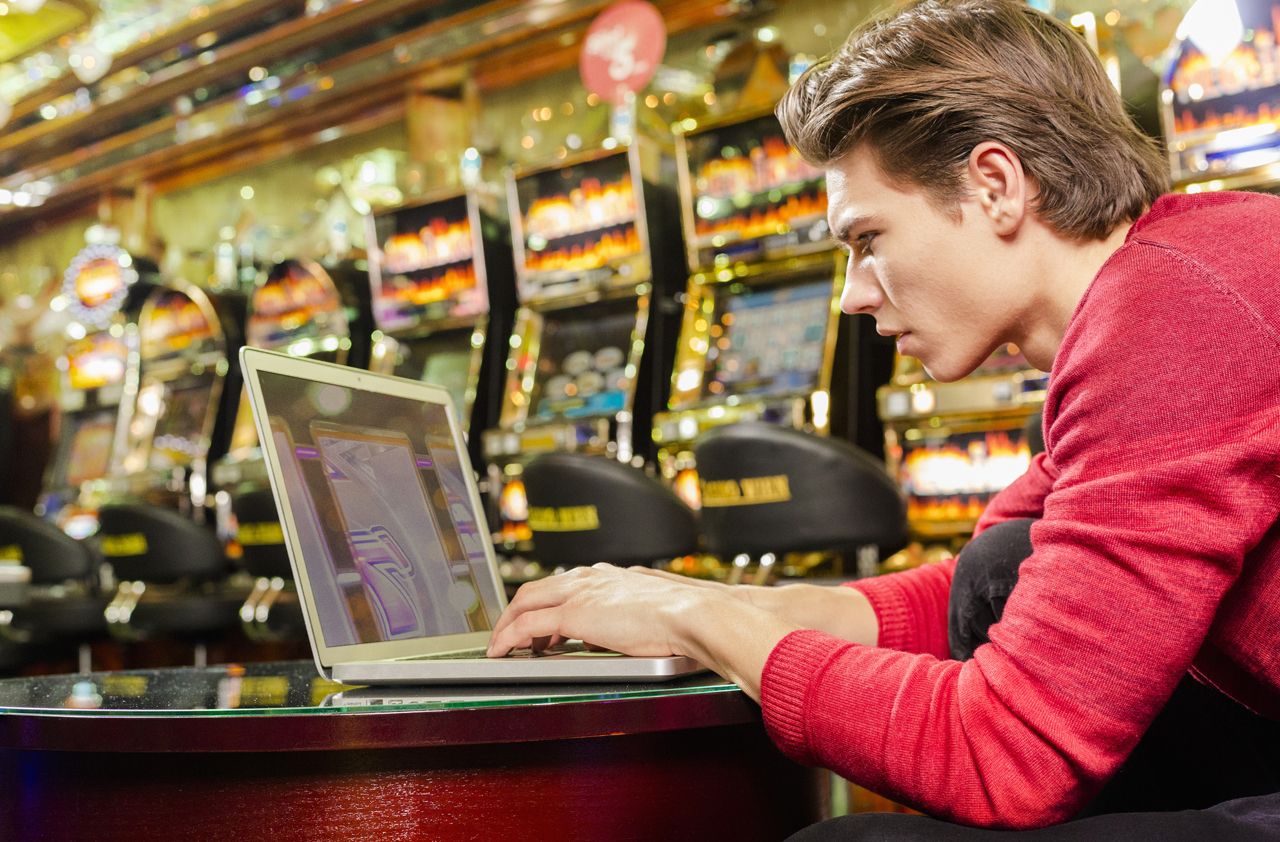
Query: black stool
[585, 509]
[768, 490]
[64, 604]
[272, 610]
[172, 574]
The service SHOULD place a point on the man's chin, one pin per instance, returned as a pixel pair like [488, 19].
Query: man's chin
[943, 373]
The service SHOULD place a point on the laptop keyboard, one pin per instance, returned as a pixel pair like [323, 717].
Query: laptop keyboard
[473, 654]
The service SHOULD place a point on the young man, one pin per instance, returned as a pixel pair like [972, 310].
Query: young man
[990, 189]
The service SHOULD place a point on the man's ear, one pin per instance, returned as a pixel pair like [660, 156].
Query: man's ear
[1000, 186]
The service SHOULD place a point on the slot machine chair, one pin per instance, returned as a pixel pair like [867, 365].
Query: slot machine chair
[272, 610]
[172, 575]
[585, 509]
[769, 490]
[64, 604]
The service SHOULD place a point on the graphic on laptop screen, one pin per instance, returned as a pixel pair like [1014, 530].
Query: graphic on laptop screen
[388, 535]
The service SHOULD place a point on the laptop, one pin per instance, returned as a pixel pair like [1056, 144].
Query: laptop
[392, 557]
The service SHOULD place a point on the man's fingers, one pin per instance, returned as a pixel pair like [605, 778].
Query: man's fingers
[534, 596]
[521, 632]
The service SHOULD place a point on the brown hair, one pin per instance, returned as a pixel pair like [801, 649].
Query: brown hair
[926, 85]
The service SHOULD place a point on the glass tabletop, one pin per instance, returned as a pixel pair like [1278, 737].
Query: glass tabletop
[294, 687]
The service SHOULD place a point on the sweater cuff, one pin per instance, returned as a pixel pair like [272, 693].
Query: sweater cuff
[793, 666]
[893, 613]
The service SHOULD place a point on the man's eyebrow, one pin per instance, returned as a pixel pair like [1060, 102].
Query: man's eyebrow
[842, 231]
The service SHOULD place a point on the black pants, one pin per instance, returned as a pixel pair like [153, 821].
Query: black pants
[1202, 750]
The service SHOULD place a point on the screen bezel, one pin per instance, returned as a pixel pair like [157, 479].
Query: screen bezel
[253, 362]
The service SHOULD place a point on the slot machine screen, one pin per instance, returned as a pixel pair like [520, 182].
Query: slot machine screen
[427, 265]
[752, 191]
[179, 433]
[951, 477]
[298, 301]
[97, 360]
[444, 360]
[174, 324]
[769, 342]
[580, 217]
[88, 442]
[582, 364]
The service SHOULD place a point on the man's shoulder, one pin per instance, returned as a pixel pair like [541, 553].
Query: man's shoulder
[1211, 224]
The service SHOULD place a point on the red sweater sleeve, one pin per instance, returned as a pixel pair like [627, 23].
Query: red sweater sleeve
[1165, 441]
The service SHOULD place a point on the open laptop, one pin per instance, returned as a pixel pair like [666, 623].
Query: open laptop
[393, 560]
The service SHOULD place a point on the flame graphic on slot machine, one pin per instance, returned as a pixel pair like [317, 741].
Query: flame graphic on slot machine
[773, 219]
[609, 246]
[770, 165]
[439, 242]
[176, 323]
[434, 288]
[953, 482]
[588, 207]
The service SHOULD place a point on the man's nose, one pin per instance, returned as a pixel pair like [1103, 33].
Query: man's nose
[861, 293]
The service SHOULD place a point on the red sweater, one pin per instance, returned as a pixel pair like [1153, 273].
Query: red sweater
[1156, 552]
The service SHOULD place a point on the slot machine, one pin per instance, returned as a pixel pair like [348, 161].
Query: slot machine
[183, 392]
[953, 446]
[444, 300]
[597, 252]
[1219, 112]
[298, 308]
[762, 306]
[105, 287]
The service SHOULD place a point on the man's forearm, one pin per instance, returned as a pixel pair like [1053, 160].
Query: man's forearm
[842, 612]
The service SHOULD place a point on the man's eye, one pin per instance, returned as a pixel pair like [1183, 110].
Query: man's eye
[862, 245]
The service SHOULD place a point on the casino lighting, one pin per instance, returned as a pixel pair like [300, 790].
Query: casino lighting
[89, 62]
[1214, 27]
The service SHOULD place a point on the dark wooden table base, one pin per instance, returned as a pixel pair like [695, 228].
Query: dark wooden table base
[719, 783]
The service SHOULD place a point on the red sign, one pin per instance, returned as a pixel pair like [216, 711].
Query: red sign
[622, 49]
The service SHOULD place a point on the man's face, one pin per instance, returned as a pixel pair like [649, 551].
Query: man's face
[933, 279]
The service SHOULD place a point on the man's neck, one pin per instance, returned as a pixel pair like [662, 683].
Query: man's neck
[1066, 270]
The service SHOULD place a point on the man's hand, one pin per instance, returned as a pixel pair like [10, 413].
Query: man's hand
[637, 613]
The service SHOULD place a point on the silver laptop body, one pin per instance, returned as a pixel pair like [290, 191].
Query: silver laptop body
[382, 521]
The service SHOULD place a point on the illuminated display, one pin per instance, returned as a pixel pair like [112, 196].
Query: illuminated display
[179, 429]
[749, 184]
[582, 368]
[1222, 112]
[579, 218]
[297, 301]
[88, 454]
[953, 478]
[97, 281]
[428, 265]
[444, 360]
[171, 324]
[97, 360]
[383, 513]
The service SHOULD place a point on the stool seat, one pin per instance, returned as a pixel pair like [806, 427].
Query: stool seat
[773, 489]
[259, 534]
[191, 616]
[68, 617]
[183, 559]
[51, 611]
[149, 544]
[585, 509]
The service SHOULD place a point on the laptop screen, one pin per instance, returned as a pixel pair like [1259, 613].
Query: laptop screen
[392, 545]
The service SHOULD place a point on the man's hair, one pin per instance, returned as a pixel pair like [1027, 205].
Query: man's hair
[926, 85]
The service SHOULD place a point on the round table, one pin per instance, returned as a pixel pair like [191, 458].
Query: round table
[272, 751]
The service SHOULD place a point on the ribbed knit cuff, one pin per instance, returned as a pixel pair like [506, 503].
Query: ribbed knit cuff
[795, 663]
[893, 612]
